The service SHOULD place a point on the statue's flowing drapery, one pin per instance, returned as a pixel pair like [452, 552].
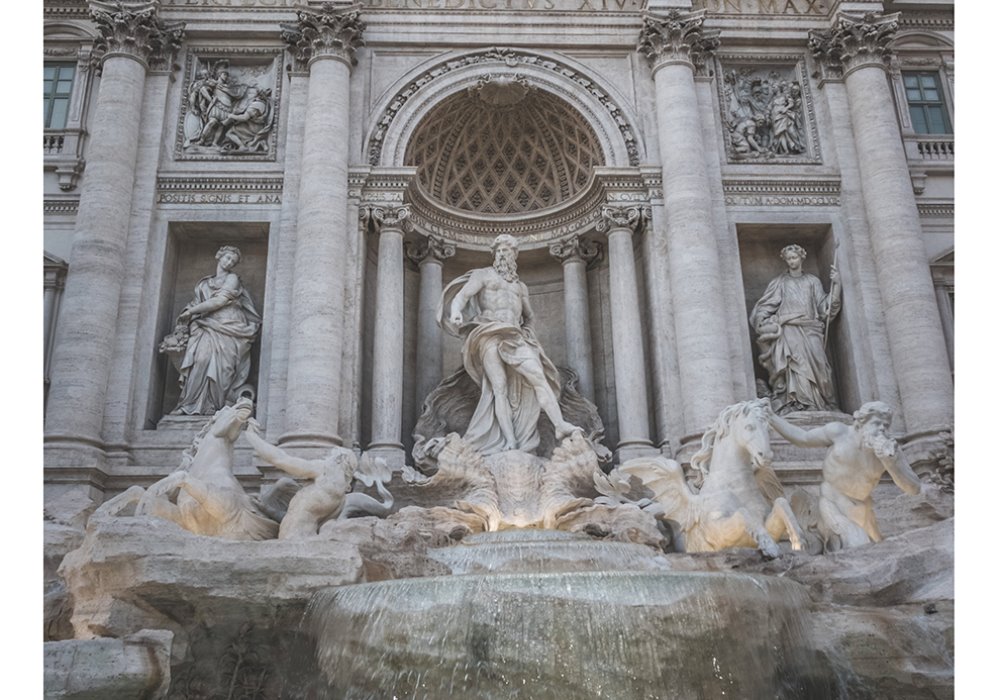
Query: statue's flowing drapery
[514, 345]
[795, 356]
[217, 360]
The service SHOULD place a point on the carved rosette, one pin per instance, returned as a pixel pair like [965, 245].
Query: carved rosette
[388, 218]
[614, 218]
[575, 248]
[430, 249]
[855, 41]
[677, 37]
[132, 29]
[327, 32]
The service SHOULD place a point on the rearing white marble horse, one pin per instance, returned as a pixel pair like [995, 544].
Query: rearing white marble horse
[740, 503]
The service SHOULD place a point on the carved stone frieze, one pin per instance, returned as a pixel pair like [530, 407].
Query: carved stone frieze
[677, 37]
[575, 248]
[510, 59]
[327, 31]
[854, 41]
[768, 112]
[431, 248]
[793, 193]
[229, 108]
[216, 190]
[133, 29]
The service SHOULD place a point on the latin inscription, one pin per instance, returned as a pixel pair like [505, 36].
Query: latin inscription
[216, 198]
[473, 5]
[764, 7]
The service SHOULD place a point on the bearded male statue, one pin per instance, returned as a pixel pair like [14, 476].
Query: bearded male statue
[859, 455]
[489, 309]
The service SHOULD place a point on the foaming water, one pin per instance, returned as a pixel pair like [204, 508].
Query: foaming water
[544, 551]
[565, 634]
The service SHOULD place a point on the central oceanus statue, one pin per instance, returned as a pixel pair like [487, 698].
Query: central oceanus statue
[741, 501]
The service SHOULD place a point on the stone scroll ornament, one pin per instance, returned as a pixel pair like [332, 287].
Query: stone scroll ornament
[224, 115]
[211, 341]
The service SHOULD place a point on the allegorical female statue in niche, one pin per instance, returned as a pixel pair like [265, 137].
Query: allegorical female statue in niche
[792, 321]
[214, 332]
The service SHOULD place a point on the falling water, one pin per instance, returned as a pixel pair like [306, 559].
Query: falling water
[564, 634]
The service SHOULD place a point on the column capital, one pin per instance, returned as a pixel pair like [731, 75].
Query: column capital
[575, 248]
[677, 37]
[430, 249]
[616, 217]
[854, 41]
[327, 32]
[391, 217]
[131, 28]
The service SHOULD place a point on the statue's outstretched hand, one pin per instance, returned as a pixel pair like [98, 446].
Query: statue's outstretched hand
[253, 426]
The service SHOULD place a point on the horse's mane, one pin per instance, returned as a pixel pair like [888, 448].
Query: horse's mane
[187, 457]
[703, 457]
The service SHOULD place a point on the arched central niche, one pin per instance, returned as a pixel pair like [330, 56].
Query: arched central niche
[503, 147]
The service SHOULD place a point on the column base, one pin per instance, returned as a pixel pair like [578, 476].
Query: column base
[310, 440]
[394, 455]
[634, 448]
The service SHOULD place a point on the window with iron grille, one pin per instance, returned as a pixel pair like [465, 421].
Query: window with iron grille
[58, 85]
[926, 102]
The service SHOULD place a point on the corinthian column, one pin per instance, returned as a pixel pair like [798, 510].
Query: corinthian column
[325, 41]
[131, 35]
[574, 255]
[857, 50]
[626, 332]
[429, 254]
[675, 45]
[389, 224]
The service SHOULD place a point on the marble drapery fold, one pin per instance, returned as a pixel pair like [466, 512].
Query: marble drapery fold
[514, 345]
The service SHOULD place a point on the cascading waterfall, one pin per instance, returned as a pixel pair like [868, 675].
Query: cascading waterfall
[594, 627]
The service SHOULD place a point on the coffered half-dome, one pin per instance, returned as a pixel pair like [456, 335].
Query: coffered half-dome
[503, 147]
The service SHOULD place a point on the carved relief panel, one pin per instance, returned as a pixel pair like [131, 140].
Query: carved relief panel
[229, 106]
[767, 110]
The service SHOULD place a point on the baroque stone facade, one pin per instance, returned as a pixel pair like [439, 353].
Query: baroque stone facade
[651, 158]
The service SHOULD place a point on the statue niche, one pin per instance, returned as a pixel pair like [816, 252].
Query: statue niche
[508, 395]
[211, 341]
[792, 323]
